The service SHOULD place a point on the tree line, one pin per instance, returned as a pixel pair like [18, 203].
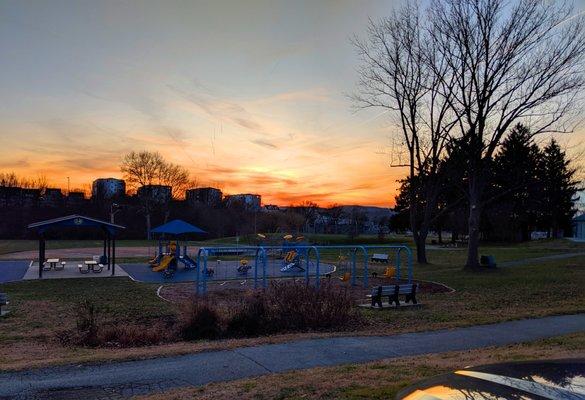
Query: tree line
[528, 189]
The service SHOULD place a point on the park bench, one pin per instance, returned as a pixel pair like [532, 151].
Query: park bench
[393, 292]
[3, 302]
[382, 258]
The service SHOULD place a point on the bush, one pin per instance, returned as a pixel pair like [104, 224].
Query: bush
[286, 307]
[250, 319]
[297, 306]
[87, 324]
[199, 320]
[134, 335]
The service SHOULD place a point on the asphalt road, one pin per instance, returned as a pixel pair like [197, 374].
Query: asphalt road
[124, 379]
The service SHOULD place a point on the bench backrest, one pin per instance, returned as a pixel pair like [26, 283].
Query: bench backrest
[380, 256]
[391, 289]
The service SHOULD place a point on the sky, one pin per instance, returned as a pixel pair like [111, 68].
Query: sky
[249, 96]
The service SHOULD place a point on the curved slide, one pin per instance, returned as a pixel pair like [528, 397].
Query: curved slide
[164, 263]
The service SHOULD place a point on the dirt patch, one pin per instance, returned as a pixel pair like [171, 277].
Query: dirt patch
[80, 253]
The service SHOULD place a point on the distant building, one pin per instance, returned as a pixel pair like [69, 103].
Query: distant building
[52, 197]
[271, 208]
[579, 227]
[248, 201]
[156, 193]
[207, 195]
[75, 198]
[108, 188]
[19, 197]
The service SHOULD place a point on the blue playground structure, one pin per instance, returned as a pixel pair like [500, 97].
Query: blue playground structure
[297, 260]
[169, 255]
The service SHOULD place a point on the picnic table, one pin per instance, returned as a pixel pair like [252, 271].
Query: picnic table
[53, 262]
[92, 264]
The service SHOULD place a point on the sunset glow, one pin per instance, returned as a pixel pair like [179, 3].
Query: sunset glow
[250, 98]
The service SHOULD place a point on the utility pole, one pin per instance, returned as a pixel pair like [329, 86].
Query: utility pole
[114, 208]
[68, 182]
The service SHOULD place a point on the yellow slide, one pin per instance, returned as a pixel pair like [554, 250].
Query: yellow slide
[164, 263]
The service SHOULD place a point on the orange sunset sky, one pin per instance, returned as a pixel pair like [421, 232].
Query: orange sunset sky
[249, 96]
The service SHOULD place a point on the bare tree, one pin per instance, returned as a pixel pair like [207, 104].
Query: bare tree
[511, 62]
[402, 73]
[175, 176]
[141, 168]
[150, 168]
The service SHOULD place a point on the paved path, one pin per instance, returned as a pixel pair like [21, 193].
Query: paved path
[124, 379]
[541, 259]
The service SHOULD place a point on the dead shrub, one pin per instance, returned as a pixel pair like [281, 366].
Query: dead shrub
[291, 306]
[199, 320]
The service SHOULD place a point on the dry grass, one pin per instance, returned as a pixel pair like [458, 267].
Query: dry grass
[375, 380]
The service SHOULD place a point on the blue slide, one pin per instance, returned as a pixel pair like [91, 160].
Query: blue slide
[188, 261]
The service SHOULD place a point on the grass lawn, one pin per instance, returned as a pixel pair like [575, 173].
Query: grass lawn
[40, 308]
[375, 380]
[11, 246]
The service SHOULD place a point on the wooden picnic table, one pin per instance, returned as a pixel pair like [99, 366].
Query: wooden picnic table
[53, 262]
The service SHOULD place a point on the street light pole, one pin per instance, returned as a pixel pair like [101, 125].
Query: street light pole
[114, 208]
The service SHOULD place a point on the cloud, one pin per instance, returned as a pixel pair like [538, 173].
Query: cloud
[264, 143]
[221, 109]
[18, 163]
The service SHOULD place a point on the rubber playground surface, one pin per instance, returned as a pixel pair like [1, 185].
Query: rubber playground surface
[11, 271]
[223, 271]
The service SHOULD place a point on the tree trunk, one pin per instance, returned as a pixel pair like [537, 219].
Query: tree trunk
[421, 250]
[474, 220]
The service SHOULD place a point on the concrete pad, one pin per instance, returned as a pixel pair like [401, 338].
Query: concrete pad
[71, 271]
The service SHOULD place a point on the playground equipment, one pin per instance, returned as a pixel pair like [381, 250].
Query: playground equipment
[390, 272]
[268, 262]
[167, 261]
[243, 268]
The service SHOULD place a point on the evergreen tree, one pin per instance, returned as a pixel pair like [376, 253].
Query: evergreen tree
[513, 197]
[559, 189]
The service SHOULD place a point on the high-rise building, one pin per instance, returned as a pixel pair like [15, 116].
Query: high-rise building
[248, 201]
[156, 193]
[108, 188]
[207, 195]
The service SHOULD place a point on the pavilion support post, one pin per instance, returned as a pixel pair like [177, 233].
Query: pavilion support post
[109, 242]
[41, 255]
[113, 255]
[104, 252]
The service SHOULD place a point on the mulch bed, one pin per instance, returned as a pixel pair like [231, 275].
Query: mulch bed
[233, 290]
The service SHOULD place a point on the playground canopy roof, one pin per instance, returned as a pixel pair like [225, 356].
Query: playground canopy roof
[76, 221]
[177, 227]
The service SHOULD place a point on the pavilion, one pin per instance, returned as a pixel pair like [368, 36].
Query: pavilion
[79, 221]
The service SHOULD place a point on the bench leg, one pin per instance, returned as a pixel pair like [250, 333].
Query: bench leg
[393, 298]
